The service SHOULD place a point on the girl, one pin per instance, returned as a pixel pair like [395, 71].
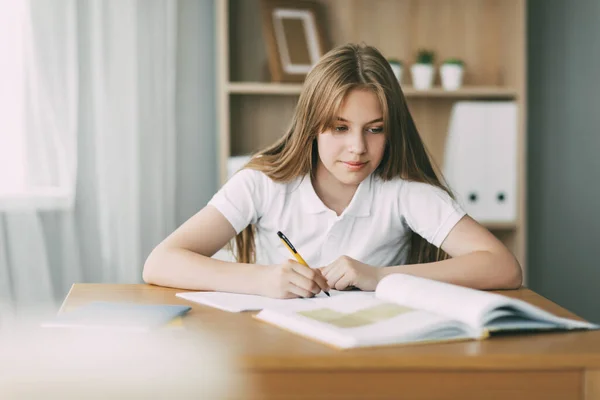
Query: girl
[352, 187]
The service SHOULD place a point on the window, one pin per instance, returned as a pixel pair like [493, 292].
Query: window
[28, 144]
[12, 89]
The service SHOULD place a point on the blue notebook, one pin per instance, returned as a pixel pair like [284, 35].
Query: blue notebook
[129, 316]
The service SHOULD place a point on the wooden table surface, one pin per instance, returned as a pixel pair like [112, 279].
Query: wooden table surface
[284, 365]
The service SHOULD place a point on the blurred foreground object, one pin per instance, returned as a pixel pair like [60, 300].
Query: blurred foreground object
[105, 364]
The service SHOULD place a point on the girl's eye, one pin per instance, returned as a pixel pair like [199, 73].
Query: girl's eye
[377, 129]
[341, 128]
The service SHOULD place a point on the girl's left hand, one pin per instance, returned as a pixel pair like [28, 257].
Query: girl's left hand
[346, 271]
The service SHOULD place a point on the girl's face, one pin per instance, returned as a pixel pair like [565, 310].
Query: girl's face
[353, 147]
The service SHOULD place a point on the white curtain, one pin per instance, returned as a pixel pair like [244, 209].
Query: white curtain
[47, 88]
[103, 91]
[132, 55]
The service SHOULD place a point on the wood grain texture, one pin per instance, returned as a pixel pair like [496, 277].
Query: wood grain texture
[223, 110]
[259, 121]
[465, 92]
[265, 347]
[558, 385]
[275, 364]
[484, 33]
[592, 385]
[517, 76]
[477, 31]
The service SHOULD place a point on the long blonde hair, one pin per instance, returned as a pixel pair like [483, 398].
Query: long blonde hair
[341, 70]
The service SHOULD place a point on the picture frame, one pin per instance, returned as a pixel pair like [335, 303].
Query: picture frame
[294, 38]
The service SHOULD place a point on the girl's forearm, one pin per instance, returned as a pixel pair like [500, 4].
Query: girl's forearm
[479, 270]
[184, 269]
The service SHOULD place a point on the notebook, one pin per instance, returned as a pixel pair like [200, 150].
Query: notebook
[114, 315]
[233, 302]
[408, 309]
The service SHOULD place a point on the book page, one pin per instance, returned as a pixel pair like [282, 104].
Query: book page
[518, 314]
[353, 320]
[362, 317]
[461, 303]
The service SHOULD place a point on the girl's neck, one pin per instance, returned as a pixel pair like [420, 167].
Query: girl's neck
[334, 194]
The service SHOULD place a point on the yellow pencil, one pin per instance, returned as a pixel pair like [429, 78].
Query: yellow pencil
[292, 249]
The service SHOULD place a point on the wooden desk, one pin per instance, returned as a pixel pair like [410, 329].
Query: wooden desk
[282, 365]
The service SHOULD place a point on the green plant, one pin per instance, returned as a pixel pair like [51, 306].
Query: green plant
[425, 56]
[394, 61]
[454, 61]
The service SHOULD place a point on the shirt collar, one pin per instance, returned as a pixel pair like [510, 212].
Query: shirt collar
[360, 205]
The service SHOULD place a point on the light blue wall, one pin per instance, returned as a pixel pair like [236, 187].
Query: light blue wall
[564, 153]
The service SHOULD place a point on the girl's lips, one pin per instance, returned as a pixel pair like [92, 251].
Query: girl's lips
[354, 166]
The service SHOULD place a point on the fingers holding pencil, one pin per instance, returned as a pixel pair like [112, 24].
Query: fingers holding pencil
[313, 275]
[290, 280]
[301, 261]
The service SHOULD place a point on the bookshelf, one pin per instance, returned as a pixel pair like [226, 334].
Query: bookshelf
[489, 35]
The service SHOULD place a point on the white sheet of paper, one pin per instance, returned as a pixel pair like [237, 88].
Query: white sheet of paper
[234, 302]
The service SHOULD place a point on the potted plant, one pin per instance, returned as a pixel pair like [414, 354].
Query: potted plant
[451, 73]
[396, 67]
[423, 71]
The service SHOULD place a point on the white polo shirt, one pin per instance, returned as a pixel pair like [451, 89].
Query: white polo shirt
[375, 227]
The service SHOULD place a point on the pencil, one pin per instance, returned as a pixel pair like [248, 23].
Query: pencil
[292, 249]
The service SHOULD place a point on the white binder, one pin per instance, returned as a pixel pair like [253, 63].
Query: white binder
[480, 160]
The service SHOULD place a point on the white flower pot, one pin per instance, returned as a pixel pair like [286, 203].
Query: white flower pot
[452, 76]
[422, 76]
[397, 68]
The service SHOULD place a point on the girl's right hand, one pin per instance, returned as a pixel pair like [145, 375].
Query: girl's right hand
[291, 280]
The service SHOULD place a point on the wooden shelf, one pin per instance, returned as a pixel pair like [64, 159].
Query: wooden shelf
[467, 92]
[489, 35]
[480, 92]
[264, 88]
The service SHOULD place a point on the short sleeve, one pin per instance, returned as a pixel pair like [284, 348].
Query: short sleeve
[242, 197]
[429, 211]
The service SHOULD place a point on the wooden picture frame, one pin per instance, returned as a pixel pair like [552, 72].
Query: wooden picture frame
[294, 38]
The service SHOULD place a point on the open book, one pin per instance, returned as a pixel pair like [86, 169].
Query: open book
[407, 309]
